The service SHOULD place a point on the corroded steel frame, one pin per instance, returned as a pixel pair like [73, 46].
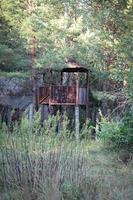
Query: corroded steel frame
[51, 92]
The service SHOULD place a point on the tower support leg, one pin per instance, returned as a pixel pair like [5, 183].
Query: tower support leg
[77, 122]
[44, 113]
[31, 116]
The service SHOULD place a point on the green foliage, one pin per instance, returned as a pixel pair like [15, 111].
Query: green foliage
[41, 167]
[99, 95]
[118, 133]
[111, 132]
[13, 55]
[130, 84]
[86, 131]
[97, 34]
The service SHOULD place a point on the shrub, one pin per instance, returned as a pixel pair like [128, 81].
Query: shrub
[118, 133]
[86, 131]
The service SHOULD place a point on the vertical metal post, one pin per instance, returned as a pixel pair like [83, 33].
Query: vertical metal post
[44, 113]
[77, 122]
[77, 108]
[9, 117]
[50, 91]
[30, 116]
[33, 73]
[61, 77]
[34, 98]
[60, 107]
[37, 99]
[87, 94]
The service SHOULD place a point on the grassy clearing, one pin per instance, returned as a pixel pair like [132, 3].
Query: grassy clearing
[41, 167]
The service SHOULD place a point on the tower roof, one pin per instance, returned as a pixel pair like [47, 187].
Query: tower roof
[75, 69]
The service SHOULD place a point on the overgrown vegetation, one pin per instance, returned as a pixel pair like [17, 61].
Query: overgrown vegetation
[43, 165]
[118, 132]
[45, 162]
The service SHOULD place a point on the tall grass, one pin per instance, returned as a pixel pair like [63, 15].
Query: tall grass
[40, 165]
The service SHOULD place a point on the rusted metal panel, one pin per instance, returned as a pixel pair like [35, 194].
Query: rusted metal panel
[44, 95]
[61, 95]
[82, 96]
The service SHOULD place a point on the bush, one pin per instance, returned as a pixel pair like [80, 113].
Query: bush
[118, 133]
[86, 131]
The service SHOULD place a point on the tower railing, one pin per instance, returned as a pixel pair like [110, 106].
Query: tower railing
[62, 95]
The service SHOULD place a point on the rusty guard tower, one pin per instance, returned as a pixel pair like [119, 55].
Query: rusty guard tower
[67, 93]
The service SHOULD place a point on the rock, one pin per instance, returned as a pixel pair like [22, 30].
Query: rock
[14, 86]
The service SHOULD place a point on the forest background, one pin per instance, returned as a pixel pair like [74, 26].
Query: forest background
[99, 36]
